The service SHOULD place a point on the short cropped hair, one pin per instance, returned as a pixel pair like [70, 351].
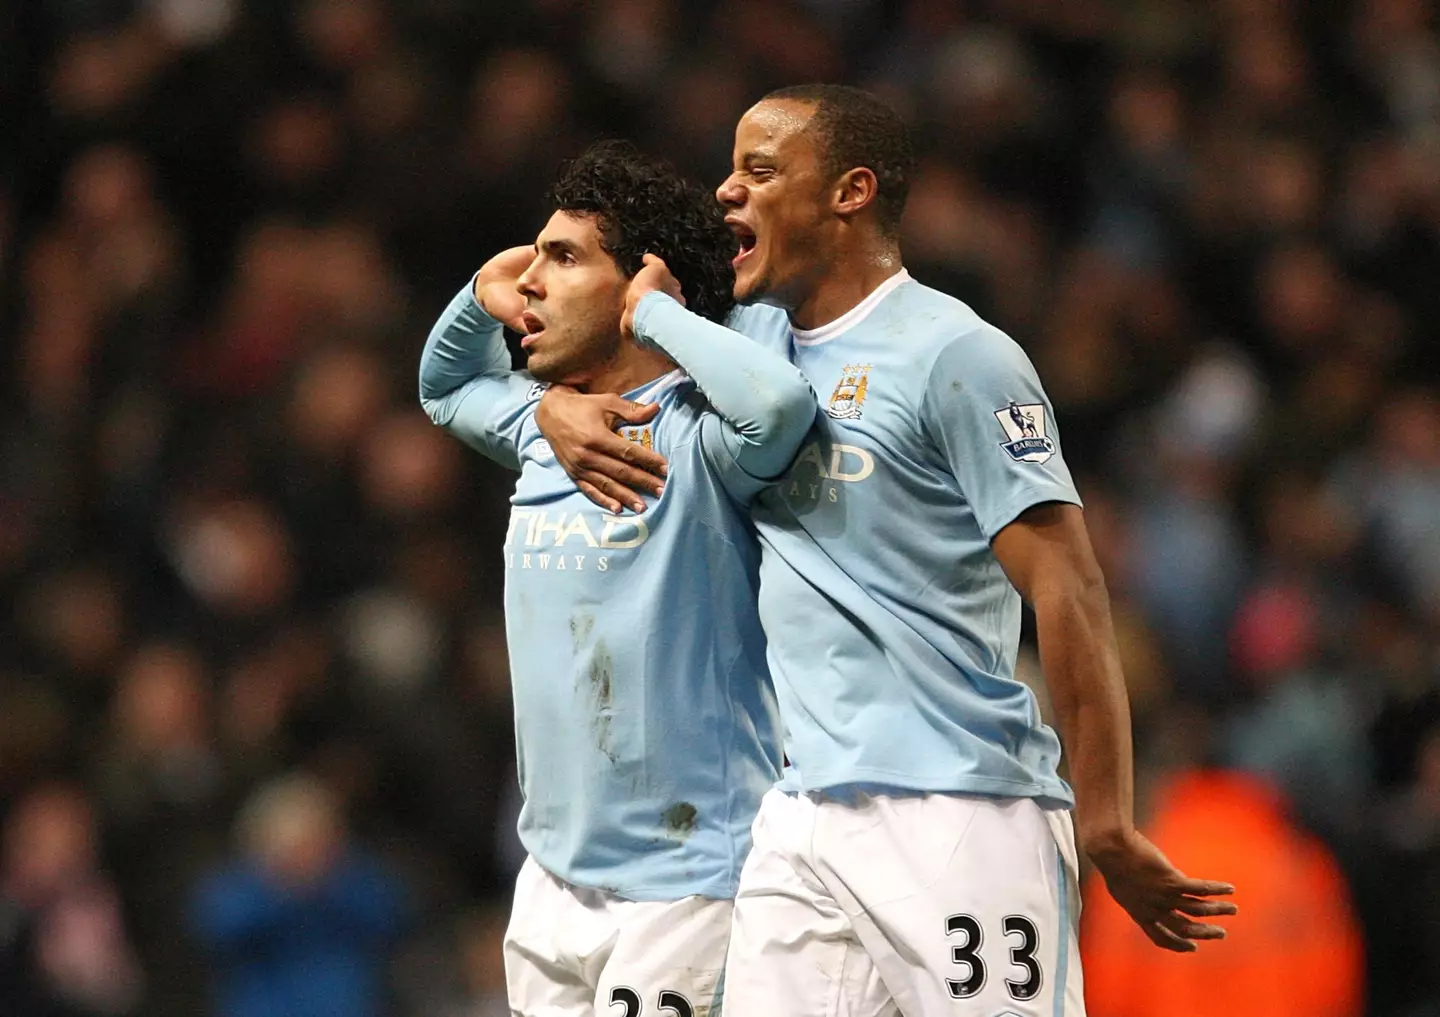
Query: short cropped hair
[643, 206]
[858, 129]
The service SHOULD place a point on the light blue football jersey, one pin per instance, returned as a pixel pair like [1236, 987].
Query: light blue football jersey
[892, 628]
[644, 715]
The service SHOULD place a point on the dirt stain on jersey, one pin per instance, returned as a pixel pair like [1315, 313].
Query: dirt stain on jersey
[680, 820]
[582, 624]
[601, 674]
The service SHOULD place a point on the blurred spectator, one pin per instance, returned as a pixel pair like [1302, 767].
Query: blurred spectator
[1394, 487]
[479, 939]
[163, 792]
[63, 946]
[303, 923]
[1294, 948]
[1404, 938]
[1189, 561]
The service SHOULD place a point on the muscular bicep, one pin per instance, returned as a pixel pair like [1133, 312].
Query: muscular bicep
[1046, 551]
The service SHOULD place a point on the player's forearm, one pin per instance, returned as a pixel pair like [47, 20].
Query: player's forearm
[760, 394]
[464, 343]
[466, 384]
[1083, 676]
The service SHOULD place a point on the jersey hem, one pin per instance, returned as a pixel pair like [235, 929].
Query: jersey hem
[992, 787]
[647, 893]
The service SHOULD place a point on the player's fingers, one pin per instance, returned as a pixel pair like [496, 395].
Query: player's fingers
[1204, 888]
[607, 462]
[648, 460]
[617, 492]
[599, 497]
[1206, 908]
[1191, 930]
[1167, 940]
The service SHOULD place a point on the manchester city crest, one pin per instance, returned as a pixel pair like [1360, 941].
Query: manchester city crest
[642, 436]
[849, 394]
[1024, 425]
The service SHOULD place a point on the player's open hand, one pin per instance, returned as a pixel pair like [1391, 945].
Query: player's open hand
[654, 275]
[495, 286]
[1159, 897]
[608, 469]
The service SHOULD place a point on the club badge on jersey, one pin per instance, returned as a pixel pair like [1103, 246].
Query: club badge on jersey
[642, 436]
[849, 394]
[1024, 425]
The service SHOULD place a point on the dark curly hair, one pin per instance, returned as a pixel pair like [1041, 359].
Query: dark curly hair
[858, 129]
[643, 206]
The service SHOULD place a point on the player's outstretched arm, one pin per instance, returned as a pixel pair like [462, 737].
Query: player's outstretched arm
[1046, 553]
[766, 404]
[466, 383]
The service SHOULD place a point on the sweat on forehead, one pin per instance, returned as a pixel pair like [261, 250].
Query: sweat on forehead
[781, 118]
[773, 130]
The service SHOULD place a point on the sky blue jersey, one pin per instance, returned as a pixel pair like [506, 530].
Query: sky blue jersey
[892, 628]
[644, 714]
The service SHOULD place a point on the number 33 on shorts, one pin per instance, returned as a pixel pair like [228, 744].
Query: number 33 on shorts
[966, 954]
[929, 905]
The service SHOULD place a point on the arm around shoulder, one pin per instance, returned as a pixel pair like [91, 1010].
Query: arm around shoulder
[765, 401]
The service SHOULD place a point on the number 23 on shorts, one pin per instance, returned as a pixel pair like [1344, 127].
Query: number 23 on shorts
[668, 1001]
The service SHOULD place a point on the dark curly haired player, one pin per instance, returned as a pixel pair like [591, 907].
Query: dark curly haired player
[643, 708]
[643, 207]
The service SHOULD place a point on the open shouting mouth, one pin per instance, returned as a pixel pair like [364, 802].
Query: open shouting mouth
[745, 235]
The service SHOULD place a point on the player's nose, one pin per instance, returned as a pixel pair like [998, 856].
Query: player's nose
[730, 193]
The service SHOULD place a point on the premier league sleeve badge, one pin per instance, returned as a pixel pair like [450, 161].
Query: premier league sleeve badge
[1024, 425]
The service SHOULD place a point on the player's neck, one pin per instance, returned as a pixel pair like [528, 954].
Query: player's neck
[630, 368]
[849, 278]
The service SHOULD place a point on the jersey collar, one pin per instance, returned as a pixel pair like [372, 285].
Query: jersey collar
[852, 317]
[651, 391]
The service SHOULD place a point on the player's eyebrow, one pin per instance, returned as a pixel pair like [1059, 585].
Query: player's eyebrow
[554, 248]
[750, 159]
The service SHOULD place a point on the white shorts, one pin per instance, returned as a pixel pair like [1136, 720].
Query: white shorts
[573, 952]
[929, 905]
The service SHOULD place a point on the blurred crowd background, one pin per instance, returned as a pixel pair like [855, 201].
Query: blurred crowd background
[255, 743]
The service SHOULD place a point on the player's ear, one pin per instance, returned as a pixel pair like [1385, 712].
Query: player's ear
[856, 190]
